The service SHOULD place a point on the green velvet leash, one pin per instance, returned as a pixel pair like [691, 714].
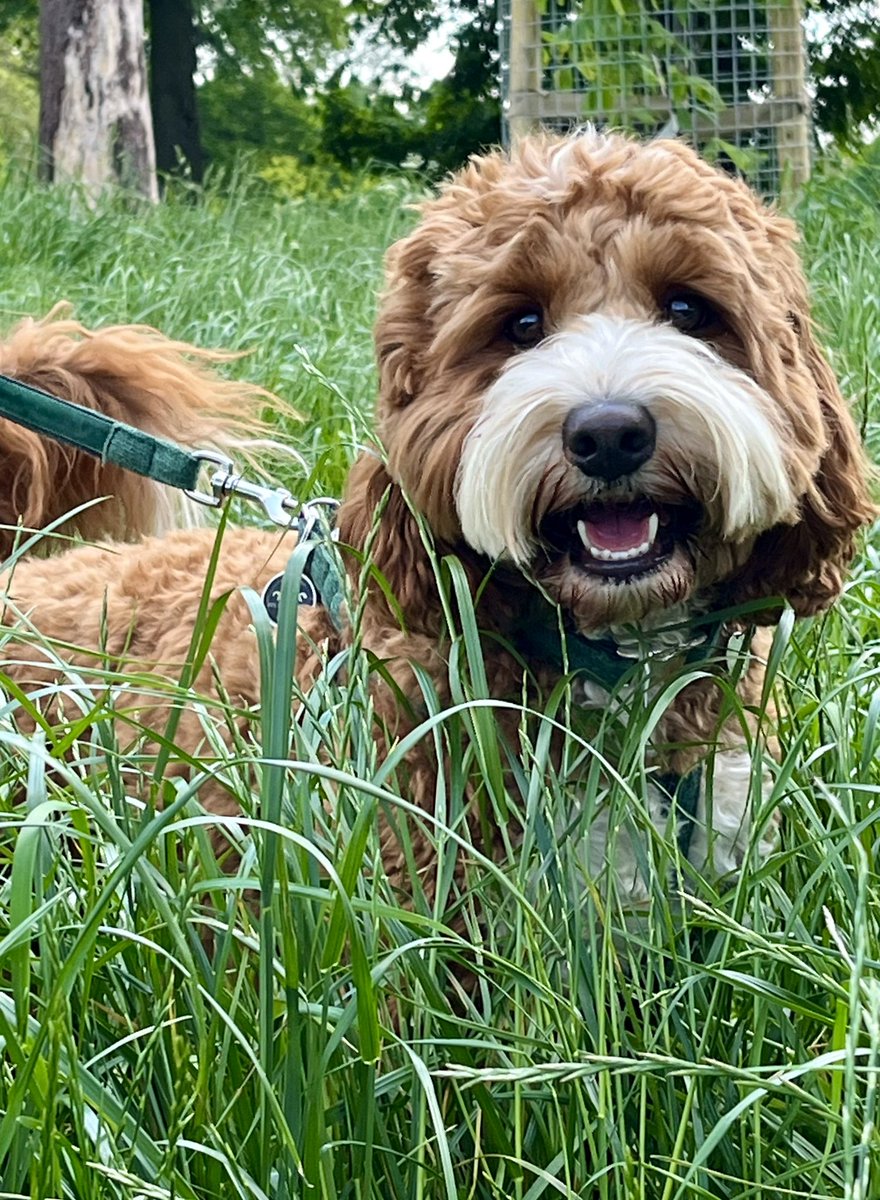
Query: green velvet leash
[156, 458]
[111, 441]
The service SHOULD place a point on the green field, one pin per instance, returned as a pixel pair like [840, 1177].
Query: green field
[161, 1039]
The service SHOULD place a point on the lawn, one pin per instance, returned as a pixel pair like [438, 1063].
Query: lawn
[163, 1038]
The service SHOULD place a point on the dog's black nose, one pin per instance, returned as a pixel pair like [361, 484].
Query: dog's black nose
[610, 439]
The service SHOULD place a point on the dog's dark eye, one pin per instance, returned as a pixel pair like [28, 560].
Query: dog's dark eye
[525, 328]
[692, 314]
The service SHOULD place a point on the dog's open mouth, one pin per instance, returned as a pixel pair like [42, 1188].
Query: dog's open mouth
[620, 539]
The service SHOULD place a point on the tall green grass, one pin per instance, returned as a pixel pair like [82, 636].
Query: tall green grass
[163, 1035]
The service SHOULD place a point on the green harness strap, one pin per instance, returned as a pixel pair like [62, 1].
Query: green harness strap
[329, 582]
[599, 658]
[684, 792]
[111, 441]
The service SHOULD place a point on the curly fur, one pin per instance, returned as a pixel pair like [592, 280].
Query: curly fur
[753, 439]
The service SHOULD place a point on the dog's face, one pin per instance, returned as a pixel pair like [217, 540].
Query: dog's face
[597, 365]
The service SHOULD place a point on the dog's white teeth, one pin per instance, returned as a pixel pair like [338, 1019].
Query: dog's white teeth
[606, 555]
[619, 555]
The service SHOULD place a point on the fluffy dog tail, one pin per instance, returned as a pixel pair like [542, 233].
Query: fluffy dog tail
[133, 374]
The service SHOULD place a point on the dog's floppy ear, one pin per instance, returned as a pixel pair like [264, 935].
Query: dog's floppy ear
[402, 325]
[806, 563]
[375, 516]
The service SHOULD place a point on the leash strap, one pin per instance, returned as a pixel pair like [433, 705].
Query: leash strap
[165, 462]
[94, 432]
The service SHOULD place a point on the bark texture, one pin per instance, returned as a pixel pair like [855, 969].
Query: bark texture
[95, 121]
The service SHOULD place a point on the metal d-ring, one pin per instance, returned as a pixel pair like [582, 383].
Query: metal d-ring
[212, 499]
[311, 515]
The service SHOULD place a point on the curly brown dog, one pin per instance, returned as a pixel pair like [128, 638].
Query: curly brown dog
[599, 388]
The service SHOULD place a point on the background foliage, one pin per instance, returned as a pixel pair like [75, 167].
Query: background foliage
[287, 83]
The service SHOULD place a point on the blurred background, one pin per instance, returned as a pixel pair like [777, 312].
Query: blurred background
[309, 96]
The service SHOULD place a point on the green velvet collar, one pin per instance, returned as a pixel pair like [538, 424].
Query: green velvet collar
[599, 658]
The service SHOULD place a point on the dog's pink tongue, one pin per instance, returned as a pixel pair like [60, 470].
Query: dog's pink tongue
[616, 529]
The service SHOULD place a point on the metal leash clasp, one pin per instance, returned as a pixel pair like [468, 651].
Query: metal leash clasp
[279, 505]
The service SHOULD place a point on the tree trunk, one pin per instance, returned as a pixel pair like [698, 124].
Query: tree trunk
[95, 123]
[173, 88]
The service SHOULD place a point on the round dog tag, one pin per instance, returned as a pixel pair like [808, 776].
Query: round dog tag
[308, 594]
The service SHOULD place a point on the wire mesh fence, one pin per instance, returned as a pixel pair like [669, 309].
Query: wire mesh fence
[728, 74]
